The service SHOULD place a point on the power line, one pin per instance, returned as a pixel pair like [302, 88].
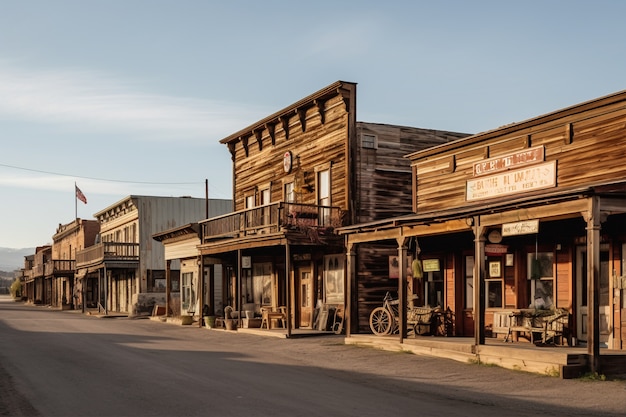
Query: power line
[100, 179]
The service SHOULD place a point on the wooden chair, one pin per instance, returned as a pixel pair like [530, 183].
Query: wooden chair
[554, 326]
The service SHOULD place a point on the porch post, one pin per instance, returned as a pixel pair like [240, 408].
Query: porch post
[350, 285]
[479, 282]
[287, 286]
[402, 285]
[200, 290]
[237, 301]
[593, 282]
[168, 286]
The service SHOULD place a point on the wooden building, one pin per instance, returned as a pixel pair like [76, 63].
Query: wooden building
[528, 215]
[124, 271]
[60, 269]
[35, 289]
[298, 175]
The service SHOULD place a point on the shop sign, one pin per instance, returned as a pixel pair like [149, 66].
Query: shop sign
[509, 161]
[246, 262]
[494, 249]
[430, 265]
[512, 182]
[520, 228]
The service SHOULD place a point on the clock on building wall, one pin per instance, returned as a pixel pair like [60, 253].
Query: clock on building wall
[287, 162]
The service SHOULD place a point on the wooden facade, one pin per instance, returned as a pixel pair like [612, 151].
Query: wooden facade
[298, 175]
[529, 215]
[124, 272]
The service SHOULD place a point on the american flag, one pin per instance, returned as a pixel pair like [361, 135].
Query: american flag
[80, 195]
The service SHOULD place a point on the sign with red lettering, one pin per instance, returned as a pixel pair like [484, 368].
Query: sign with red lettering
[510, 161]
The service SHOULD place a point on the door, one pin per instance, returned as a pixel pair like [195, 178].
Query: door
[606, 335]
[305, 297]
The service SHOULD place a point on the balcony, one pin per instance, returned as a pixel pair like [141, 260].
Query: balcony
[60, 267]
[272, 218]
[108, 252]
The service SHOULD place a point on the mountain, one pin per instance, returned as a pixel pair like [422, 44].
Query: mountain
[12, 259]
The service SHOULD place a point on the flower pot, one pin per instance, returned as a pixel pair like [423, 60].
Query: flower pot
[209, 322]
[186, 320]
[230, 324]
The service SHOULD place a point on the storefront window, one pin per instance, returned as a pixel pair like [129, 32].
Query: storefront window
[541, 273]
[493, 283]
[262, 283]
[188, 292]
[469, 281]
[333, 279]
[433, 282]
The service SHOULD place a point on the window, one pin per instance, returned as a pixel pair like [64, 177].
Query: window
[323, 196]
[262, 283]
[433, 283]
[323, 187]
[369, 141]
[469, 281]
[333, 279]
[494, 283]
[289, 193]
[188, 294]
[265, 212]
[541, 273]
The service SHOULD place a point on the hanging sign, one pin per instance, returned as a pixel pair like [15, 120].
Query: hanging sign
[520, 228]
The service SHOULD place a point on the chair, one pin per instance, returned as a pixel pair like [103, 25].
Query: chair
[554, 326]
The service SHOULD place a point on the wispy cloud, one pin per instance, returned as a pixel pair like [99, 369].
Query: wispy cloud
[84, 100]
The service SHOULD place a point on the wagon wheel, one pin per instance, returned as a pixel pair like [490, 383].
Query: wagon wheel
[381, 321]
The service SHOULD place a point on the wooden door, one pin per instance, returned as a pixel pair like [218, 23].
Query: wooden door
[606, 335]
[305, 297]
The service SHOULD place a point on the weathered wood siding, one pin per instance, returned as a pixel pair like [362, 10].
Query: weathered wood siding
[312, 144]
[588, 147]
[384, 173]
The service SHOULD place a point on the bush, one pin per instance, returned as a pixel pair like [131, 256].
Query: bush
[16, 289]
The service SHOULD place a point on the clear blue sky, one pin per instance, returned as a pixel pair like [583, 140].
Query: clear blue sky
[132, 96]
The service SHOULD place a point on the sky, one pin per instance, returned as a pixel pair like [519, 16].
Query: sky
[131, 97]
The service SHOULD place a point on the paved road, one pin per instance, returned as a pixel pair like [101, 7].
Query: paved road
[61, 363]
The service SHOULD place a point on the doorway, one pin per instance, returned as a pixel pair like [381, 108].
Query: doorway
[606, 334]
[305, 296]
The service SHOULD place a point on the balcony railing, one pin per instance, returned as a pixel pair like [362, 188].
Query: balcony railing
[108, 251]
[60, 266]
[271, 218]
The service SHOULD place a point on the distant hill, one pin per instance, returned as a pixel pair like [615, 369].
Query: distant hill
[12, 259]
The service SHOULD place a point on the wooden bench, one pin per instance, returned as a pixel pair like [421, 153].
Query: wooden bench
[551, 325]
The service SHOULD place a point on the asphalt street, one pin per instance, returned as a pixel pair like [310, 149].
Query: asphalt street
[63, 363]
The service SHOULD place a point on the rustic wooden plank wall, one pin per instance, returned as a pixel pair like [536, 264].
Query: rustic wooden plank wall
[384, 174]
[588, 147]
[316, 145]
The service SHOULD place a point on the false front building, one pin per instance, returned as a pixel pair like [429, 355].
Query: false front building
[298, 175]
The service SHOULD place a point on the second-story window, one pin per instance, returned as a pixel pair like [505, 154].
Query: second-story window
[290, 195]
[265, 212]
[323, 188]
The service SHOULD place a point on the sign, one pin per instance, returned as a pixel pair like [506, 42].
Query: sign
[246, 262]
[496, 249]
[520, 228]
[287, 162]
[430, 265]
[512, 160]
[512, 182]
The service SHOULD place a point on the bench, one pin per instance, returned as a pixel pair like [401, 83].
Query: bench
[550, 324]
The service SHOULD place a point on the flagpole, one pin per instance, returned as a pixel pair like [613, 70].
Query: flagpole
[75, 202]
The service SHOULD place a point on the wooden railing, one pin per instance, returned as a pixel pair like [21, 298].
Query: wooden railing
[57, 266]
[271, 218]
[107, 251]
